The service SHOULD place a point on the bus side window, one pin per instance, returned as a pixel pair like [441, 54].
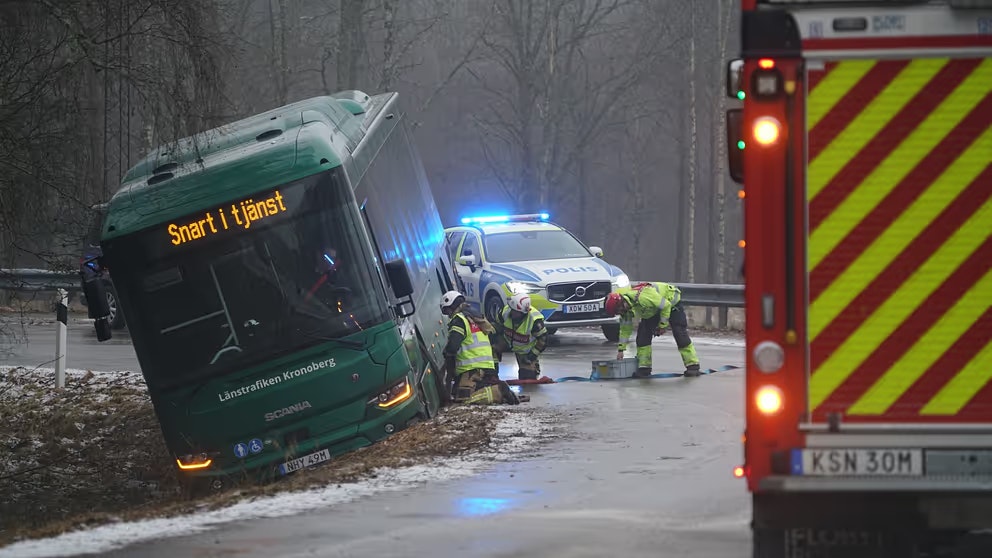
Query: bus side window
[444, 276]
[375, 246]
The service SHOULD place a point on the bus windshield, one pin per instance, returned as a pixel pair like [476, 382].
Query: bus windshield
[248, 280]
[533, 245]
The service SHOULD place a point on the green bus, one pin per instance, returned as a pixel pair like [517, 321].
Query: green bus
[280, 278]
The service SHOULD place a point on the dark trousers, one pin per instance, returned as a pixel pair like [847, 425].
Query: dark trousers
[677, 322]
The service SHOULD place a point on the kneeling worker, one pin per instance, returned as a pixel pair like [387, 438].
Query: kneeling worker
[521, 330]
[468, 355]
[653, 304]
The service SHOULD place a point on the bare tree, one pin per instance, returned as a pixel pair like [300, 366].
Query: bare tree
[718, 221]
[552, 83]
[68, 65]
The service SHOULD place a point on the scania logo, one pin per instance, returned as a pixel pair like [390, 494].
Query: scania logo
[580, 291]
[286, 411]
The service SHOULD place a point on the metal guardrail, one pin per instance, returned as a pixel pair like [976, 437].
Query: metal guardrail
[712, 294]
[693, 294]
[38, 280]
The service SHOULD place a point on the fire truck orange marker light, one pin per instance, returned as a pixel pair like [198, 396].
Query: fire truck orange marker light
[741, 194]
[738, 472]
[741, 243]
[766, 63]
[768, 399]
[791, 337]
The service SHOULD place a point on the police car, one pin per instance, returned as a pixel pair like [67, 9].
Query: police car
[495, 257]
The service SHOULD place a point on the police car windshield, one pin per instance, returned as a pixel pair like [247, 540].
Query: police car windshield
[519, 246]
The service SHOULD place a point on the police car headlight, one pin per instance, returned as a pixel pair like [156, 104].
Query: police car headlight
[621, 281]
[517, 287]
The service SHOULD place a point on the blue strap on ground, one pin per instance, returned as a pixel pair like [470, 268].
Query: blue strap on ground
[594, 377]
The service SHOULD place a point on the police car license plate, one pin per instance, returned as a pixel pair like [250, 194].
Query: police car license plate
[305, 461]
[581, 308]
[858, 462]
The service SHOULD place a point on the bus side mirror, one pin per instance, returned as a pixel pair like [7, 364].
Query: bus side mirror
[735, 77]
[735, 145]
[96, 299]
[399, 278]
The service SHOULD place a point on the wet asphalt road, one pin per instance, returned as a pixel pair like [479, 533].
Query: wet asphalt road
[645, 472]
[29, 341]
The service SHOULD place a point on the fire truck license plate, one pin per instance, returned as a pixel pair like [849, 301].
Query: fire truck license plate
[860, 462]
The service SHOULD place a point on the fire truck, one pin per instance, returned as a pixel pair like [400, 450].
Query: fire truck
[863, 144]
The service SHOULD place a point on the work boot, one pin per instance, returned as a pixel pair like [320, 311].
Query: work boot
[642, 373]
[525, 374]
[692, 371]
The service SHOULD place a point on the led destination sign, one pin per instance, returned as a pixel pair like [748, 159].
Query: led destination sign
[238, 216]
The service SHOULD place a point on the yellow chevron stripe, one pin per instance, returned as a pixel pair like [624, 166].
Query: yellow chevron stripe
[942, 334]
[832, 88]
[900, 234]
[870, 121]
[963, 387]
[904, 302]
[899, 163]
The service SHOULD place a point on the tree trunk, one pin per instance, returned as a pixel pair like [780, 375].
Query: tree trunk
[388, 44]
[279, 64]
[350, 46]
[718, 223]
[690, 208]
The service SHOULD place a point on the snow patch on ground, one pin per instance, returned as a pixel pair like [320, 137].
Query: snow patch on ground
[516, 435]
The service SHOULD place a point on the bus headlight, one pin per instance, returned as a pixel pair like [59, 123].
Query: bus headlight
[189, 462]
[769, 356]
[394, 395]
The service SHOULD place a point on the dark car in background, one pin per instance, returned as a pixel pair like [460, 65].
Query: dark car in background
[88, 268]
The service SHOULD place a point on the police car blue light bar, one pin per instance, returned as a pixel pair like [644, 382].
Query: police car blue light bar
[505, 218]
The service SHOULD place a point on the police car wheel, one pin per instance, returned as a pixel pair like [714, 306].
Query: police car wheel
[493, 305]
[611, 332]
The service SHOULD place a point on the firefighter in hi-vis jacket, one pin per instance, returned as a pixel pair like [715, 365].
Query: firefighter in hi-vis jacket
[520, 329]
[468, 355]
[657, 305]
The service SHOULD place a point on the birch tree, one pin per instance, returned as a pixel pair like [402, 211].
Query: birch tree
[686, 236]
[718, 221]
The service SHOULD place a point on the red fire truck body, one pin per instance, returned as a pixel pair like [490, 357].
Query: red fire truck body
[864, 146]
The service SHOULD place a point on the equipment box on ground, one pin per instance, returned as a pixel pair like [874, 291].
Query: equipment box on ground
[614, 368]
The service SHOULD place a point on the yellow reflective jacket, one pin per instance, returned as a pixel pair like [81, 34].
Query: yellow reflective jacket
[646, 300]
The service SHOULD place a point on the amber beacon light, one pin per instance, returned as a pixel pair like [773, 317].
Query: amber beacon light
[766, 130]
[768, 399]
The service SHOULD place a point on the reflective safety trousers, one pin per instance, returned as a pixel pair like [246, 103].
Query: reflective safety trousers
[647, 300]
[521, 338]
[475, 352]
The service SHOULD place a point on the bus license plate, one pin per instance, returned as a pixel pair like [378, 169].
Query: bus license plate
[305, 461]
[580, 308]
[859, 462]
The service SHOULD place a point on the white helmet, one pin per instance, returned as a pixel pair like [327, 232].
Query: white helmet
[450, 298]
[519, 302]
